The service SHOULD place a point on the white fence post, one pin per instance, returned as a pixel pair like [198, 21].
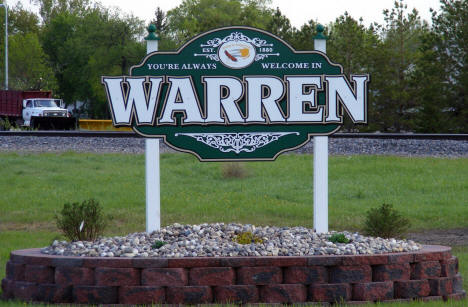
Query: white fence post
[153, 189]
[320, 160]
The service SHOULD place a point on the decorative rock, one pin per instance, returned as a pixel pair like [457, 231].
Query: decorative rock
[218, 240]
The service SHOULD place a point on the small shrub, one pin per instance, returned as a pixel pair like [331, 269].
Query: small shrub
[5, 124]
[81, 222]
[234, 170]
[247, 238]
[158, 244]
[338, 238]
[385, 222]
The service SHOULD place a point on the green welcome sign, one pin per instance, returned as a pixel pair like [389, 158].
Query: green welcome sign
[236, 93]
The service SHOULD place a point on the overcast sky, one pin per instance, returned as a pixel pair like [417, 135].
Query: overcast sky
[298, 11]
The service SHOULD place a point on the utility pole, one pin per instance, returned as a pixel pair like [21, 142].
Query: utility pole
[6, 43]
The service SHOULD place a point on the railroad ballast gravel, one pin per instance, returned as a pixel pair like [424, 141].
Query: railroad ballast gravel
[219, 240]
[336, 146]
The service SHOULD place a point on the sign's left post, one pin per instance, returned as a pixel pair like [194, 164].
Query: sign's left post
[153, 189]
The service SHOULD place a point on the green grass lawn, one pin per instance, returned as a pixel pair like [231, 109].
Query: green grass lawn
[431, 192]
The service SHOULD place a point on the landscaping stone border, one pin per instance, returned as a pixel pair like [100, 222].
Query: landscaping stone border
[428, 274]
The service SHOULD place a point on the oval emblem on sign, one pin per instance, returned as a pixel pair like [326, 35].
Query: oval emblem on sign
[236, 55]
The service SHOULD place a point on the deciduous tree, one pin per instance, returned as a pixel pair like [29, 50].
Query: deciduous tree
[29, 67]
[193, 17]
[85, 44]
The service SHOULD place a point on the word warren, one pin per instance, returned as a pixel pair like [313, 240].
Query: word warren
[268, 99]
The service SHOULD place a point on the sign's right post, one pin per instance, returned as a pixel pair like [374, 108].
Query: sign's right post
[153, 186]
[320, 159]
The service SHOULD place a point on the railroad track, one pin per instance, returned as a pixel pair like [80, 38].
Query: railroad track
[130, 134]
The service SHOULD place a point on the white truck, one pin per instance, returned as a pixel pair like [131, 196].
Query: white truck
[39, 112]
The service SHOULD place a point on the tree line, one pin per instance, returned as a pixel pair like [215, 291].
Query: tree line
[419, 70]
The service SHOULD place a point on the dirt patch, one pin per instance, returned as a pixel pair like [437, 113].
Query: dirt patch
[448, 237]
[34, 226]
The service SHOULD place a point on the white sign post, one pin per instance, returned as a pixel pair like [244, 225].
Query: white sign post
[153, 189]
[320, 160]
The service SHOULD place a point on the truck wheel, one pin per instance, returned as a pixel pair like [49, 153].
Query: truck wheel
[32, 124]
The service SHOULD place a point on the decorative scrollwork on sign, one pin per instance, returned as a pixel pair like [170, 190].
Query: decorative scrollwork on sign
[262, 56]
[237, 142]
[211, 56]
[236, 36]
[215, 42]
[257, 42]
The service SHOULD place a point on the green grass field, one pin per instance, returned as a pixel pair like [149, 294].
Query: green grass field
[431, 192]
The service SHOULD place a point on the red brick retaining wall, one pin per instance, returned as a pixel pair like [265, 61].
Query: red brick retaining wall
[431, 273]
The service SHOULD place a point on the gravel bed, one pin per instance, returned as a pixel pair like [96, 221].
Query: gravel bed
[337, 146]
[219, 240]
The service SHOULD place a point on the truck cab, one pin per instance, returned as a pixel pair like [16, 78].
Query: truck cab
[42, 112]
